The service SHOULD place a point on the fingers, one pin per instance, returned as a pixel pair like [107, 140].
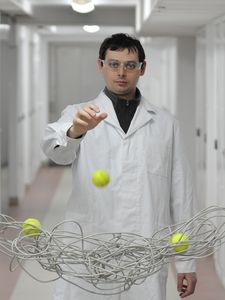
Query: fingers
[95, 112]
[186, 283]
[89, 117]
[101, 116]
[180, 279]
[87, 113]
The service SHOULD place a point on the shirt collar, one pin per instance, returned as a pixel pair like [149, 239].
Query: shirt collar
[115, 99]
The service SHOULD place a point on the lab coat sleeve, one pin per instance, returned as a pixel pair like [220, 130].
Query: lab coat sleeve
[56, 144]
[182, 192]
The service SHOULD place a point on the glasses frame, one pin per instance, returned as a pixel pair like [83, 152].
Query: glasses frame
[121, 64]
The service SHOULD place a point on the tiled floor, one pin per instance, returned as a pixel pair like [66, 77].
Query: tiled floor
[46, 200]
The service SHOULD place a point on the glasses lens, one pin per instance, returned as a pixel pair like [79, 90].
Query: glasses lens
[127, 65]
[113, 64]
[131, 65]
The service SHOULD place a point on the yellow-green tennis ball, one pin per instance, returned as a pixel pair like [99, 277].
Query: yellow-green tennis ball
[31, 226]
[181, 239]
[100, 178]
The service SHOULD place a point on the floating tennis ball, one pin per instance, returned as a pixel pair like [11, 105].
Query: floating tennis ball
[100, 178]
[181, 240]
[31, 226]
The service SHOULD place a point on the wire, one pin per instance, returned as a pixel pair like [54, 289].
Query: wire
[109, 263]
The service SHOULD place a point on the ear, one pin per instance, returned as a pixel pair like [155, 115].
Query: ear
[143, 67]
[100, 64]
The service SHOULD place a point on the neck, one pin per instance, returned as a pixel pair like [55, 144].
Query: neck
[127, 97]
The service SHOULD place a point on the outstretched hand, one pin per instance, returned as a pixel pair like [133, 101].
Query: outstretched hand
[86, 119]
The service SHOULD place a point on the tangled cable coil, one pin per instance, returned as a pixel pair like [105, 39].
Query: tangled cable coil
[110, 263]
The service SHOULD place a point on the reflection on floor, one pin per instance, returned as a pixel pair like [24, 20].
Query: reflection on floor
[46, 200]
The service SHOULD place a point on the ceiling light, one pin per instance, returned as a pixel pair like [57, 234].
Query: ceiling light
[53, 28]
[91, 28]
[82, 6]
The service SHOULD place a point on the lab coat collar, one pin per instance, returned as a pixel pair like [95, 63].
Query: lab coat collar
[145, 113]
[105, 105]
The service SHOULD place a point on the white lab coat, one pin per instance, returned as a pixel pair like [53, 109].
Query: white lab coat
[150, 183]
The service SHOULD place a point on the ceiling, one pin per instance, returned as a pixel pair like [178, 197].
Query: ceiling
[182, 17]
[148, 17]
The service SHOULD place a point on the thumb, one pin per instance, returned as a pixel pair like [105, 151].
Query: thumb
[101, 116]
[180, 279]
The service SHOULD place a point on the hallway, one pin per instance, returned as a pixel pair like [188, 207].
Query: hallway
[46, 200]
[51, 57]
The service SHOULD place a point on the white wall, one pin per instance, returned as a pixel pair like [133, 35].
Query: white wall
[201, 136]
[186, 95]
[3, 95]
[18, 62]
[0, 137]
[159, 81]
[23, 109]
[32, 96]
[210, 79]
[169, 82]
[4, 123]
[210, 108]
[41, 97]
[73, 75]
[36, 93]
[14, 130]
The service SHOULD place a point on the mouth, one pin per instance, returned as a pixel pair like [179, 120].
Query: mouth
[121, 82]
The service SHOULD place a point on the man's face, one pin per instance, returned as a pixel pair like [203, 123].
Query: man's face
[121, 81]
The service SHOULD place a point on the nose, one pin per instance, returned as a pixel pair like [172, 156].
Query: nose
[121, 70]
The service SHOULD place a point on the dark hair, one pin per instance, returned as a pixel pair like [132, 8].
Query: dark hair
[121, 41]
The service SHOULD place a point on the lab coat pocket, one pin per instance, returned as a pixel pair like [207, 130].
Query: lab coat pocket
[157, 158]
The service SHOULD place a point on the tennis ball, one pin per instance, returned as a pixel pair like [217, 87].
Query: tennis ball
[181, 239]
[100, 178]
[31, 226]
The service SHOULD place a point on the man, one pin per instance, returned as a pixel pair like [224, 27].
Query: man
[139, 145]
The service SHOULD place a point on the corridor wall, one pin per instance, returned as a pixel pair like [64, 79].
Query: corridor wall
[3, 128]
[159, 83]
[23, 99]
[32, 99]
[37, 105]
[210, 112]
[73, 75]
[169, 82]
[8, 92]
[17, 94]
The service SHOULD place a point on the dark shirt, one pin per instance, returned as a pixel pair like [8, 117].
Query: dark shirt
[125, 109]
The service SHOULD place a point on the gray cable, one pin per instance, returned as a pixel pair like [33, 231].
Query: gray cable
[109, 263]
